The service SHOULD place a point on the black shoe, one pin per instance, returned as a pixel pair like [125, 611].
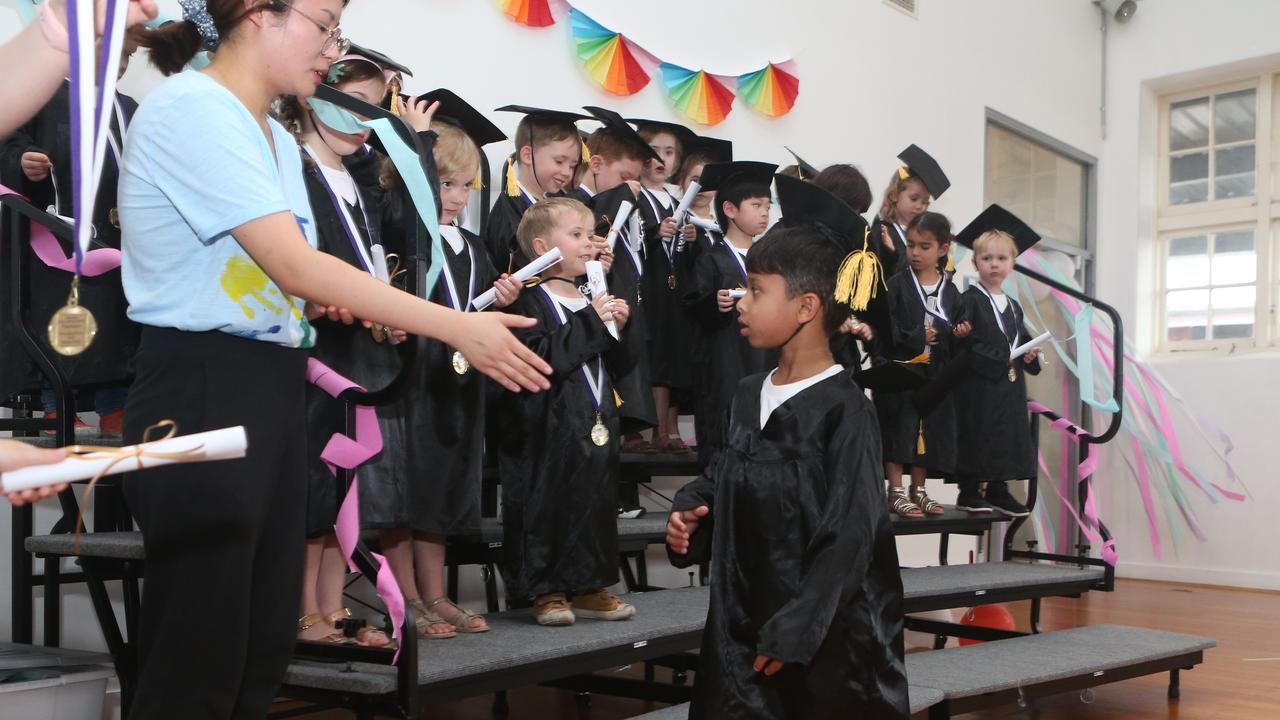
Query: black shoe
[1004, 502]
[973, 503]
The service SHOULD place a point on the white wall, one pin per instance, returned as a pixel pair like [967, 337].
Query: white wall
[1172, 44]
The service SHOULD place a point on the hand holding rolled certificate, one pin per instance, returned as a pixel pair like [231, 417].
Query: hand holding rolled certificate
[225, 444]
[596, 281]
[380, 263]
[544, 261]
[1029, 345]
[624, 212]
[704, 224]
[682, 209]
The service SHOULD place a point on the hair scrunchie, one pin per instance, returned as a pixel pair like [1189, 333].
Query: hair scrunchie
[196, 12]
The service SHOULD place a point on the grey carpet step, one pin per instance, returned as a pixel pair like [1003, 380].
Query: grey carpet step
[1021, 662]
[964, 583]
[922, 698]
[517, 646]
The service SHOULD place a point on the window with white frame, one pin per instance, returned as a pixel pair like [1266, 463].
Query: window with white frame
[1215, 215]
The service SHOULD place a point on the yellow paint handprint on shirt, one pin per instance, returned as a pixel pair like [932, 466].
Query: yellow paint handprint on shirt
[242, 279]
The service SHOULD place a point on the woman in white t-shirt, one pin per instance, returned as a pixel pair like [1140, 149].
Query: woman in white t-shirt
[221, 271]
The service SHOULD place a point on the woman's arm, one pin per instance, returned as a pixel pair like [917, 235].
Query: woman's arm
[42, 65]
[277, 245]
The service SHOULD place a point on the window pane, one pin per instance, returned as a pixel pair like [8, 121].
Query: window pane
[1233, 172]
[1193, 166]
[1188, 262]
[1189, 192]
[1233, 312]
[1043, 187]
[1234, 116]
[1194, 245]
[1234, 261]
[1187, 314]
[1189, 124]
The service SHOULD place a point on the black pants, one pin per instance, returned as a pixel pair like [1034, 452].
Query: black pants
[224, 540]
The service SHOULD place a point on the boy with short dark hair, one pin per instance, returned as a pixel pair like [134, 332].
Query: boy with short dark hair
[806, 600]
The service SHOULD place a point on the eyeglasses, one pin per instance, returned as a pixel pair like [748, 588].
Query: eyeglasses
[333, 36]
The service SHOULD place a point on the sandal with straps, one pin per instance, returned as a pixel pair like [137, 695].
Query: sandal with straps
[364, 635]
[306, 622]
[926, 503]
[900, 504]
[424, 618]
[461, 618]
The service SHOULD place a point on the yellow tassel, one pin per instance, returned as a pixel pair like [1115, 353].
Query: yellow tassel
[513, 184]
[921, 359]
[903, 172]
[478, 183]
[920, 440]
[395, 96]
[951, 264]
[617, 398]
[586, 154]
[859, 276]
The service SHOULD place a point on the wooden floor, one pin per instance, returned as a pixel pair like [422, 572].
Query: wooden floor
[1239, 680]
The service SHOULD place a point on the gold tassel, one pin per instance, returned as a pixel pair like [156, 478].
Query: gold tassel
[951, 265]
[478, 183]
[921, 359]
[586, 154]
[395, 96]
[513, 184]
[617, 398]
[920, 440]
[903, 172]
[859, 276]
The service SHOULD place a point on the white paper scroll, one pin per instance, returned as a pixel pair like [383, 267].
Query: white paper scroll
[624, 212]
[1029, 345]
[682, 209]
[546, 260]
[596, 281]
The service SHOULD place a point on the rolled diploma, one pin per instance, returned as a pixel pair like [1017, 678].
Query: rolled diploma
[596, 281]
[737, 293]
[624, 212]
[1029, 345]
[704, 224]
[683, 208]
[544, 261]
[379, 263]
[225, 444]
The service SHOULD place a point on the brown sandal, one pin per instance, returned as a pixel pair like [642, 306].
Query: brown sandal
[424, 618]
[306, 622]
[364, 635]
[900, 504]
[926, 503]
[460, 618]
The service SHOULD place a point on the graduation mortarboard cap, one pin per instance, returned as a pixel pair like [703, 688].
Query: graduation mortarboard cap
[997, 218]
[890, 377]
[922, 165]
[616, 125]
[686, 136]
[719, 151]
[389, 66]
[457, 111]
[543, 113]
[718, 176]
[807, 171]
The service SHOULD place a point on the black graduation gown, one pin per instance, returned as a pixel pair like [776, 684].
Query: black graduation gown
[893, 261]
[109, 360]
[447, 415]
[626, 280]
[900, 427]
[992, 421]
[559, 493]
[721, 356]
[500, 232]
[804, 566]
[351, 351]
[666, 266]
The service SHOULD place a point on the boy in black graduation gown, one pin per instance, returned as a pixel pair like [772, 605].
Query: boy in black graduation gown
[558, 451]
[35, 160]
[806, 600]
[722, 356]
[994, 433]
[918, 180]
[548, 151]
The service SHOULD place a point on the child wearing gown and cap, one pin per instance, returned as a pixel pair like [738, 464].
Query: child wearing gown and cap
[805, 620]
[917, 182]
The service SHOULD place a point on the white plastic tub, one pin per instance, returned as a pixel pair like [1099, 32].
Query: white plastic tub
[76, 694]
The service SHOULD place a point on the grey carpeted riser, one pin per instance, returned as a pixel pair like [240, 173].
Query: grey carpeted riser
[949, 579]
[1024, 661]
[922, 698]
[517, 641]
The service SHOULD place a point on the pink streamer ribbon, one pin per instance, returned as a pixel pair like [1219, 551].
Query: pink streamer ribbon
[1086, 468]
[50, 252]
[348, 453]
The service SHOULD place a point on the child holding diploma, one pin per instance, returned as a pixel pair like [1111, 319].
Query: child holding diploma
[805, 619]
[558, 452]
[220, 269]
[927, 318]
[994, 433]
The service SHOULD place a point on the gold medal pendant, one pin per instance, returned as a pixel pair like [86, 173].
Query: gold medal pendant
[671, 281]
[1013, 377]
[599, 433]
[460, 363]
[73, 327]
[379, 333]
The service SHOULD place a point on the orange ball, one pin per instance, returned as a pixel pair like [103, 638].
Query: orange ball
[990, 616]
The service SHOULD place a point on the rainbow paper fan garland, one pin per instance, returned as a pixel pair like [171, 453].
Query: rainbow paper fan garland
[534, 13]
[702, 97]
[771, 90]
[617, 64]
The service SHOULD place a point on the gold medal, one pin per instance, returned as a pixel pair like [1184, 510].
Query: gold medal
[671, 281]
[113, 216]
[460, 363]
[599, 433]
[72, 328]
[379, 333]
[1013, 377]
